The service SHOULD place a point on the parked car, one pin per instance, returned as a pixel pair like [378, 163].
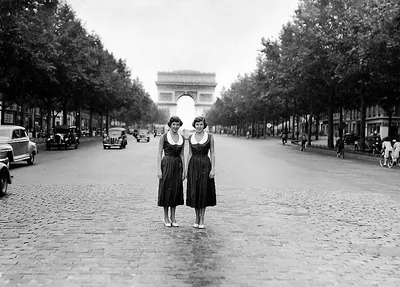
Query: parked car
[15, 143]
[143, 135]
[5, 178]
[63, 136]
[372, 144]
[116, 137]
[350, 138]
[5, 150]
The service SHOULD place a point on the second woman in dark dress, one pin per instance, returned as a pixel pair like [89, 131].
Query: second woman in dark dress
[200, 171]
[171, 171]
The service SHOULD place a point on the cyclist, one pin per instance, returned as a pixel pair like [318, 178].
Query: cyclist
[386, 149]
[396, 150]
[284, 137]
[339, 146]
[304, 139]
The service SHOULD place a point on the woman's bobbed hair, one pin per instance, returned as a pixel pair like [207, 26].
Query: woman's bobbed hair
[174, 119]
[199, 119]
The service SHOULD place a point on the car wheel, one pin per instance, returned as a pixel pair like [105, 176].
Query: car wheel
[31, 159]
[104, 147]
[138, 140]
[3, 182]
[76, 146]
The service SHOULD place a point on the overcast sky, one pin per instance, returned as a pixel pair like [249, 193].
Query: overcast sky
[213, 36]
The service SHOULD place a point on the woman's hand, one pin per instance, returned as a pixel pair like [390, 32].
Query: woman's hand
[159, 174]
[212, 173]
[183, 175]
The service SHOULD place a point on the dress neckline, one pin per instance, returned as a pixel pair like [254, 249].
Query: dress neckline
[202, 141]
[171, 141]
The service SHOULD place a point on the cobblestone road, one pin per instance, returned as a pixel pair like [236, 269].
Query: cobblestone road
[111, 234]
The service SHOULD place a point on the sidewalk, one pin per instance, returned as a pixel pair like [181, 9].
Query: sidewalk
[322, 143]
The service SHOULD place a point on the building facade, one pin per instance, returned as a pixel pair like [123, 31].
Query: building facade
[376, 121]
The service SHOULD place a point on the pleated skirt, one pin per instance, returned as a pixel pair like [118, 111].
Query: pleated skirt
[200, 187]
[170, 187]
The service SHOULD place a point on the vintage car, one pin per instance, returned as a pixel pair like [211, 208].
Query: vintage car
[116, 137]
[5, 150]
[15, 145]
[350, 138]
[5, 179]
[143, 135]
[63, 136]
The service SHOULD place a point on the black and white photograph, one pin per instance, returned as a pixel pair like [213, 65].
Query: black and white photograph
[199, 143]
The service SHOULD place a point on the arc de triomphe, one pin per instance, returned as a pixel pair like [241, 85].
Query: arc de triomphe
[173, 85]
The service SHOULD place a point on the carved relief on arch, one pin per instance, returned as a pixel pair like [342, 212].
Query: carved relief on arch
[192, 94]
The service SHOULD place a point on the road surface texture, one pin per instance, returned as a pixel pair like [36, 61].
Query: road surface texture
[89, 217]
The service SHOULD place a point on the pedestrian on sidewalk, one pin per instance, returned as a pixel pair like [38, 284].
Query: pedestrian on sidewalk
[200, 171]
[171, 170]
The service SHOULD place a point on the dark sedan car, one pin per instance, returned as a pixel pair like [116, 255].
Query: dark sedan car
[350, 138]
[63, 136]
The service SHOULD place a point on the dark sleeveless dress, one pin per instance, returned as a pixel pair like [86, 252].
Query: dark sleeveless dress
[200, 187]
[170, 188]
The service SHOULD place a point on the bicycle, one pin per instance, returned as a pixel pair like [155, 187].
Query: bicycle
[389, 160]
[340, 153]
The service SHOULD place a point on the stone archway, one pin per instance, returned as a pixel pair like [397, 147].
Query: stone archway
[173, 85]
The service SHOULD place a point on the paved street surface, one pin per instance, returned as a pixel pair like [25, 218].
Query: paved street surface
[89, 217]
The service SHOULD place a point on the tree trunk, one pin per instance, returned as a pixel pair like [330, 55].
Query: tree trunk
[390, 115]
[286, 116]
[48, 116]
[3, 111]
[78, 117]
[65, 115]
[23, 111]
[273, 127]
[340, 123]
[252, 128]
[362, 125]
[330, 118]
[265, 127]
[309, 132]
[293, 119]
[107, 121]
[91, 122]
[317, 127]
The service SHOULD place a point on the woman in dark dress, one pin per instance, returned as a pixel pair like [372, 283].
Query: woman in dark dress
[200, 171]
[171, 171]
